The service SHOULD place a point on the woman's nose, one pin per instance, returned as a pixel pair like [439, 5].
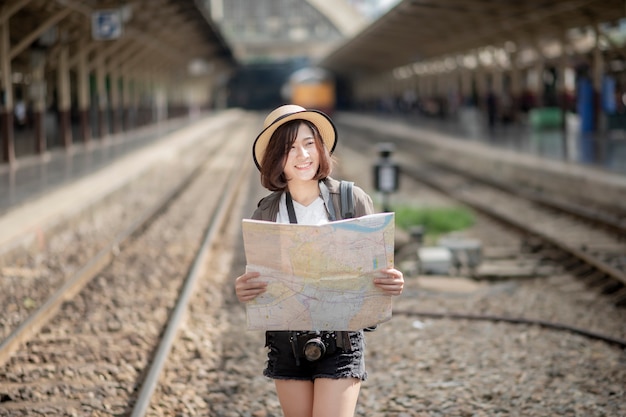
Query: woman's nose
[301, 151]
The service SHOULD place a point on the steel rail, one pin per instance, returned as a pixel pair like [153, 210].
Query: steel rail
[612, 222]
[579, 254]
[92, 268]
[220, 215]
[517, 320]
[609, 221]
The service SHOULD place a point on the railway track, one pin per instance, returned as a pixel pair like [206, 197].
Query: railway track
[589, 241]
[590, 247]
[97, 344]
[451, 366]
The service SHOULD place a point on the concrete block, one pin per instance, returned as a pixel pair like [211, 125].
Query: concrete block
[435, 260]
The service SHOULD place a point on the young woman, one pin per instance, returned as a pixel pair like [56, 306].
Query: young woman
[293, 154]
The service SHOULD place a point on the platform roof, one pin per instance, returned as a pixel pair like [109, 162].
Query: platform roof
[418, 30]
[156, 34]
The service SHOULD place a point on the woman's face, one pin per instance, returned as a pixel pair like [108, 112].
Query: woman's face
[302, 160]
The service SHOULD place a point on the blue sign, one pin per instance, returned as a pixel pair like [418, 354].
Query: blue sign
[106, 24]
[609, 104]
[585, 105]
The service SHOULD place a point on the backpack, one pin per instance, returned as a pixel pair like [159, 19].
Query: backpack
[347, 199]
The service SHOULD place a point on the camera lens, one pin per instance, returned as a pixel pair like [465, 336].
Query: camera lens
[314, 349]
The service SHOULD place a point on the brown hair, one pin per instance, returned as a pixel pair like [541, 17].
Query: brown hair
[273, 164]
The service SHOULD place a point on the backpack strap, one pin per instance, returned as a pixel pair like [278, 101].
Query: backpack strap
[347, 212]
[347, 199]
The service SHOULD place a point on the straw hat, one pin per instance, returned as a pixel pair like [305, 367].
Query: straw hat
[289, 112]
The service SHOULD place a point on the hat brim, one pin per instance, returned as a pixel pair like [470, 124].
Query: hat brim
[324, 125]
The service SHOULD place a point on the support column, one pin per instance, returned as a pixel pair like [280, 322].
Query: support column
[142, 99]
[596, 79]
[440, 85]
[560, 73]
[145, 98]
[599, 121]
[38, 95]
[481, 85]
[126, 100]
[466, 86]
[83, 94]
[114, 75]
[64, 97]
[516, 84]
[430, 84]
[421, 86]
[561, 87]
[101, 94]
[497, 81]
[6, 115]
[537, 86]
[135, 100]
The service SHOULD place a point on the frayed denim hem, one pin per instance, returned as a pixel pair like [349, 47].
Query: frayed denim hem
[361, 378]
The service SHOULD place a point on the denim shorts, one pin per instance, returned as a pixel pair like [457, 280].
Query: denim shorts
[282, 363]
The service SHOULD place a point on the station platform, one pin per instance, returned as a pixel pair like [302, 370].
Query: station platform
[507, 156]
[39, 174]
[42, 191]
[603, 151]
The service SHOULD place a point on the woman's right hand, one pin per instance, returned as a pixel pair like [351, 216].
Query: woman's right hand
[248, 288]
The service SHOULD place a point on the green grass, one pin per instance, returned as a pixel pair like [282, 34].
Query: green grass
[435, 220]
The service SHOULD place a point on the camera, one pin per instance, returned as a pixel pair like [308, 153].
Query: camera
[313, 345]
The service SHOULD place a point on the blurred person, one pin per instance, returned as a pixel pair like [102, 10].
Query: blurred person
[293, 155]
[492, 109]
[20, 113]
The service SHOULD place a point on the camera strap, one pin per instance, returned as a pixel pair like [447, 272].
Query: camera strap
[345, 194]
[290, 210]
[293, 339]
[342, 338]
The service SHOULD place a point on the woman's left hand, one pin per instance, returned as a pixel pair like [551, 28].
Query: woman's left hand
[390, 280]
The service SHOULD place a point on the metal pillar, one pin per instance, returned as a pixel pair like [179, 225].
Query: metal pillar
[115, 100]
[82, 80]
[64, 97]
[38, 95]
[101, 94]
[6, 115]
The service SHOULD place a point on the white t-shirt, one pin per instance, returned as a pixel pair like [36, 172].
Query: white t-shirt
[313, 214]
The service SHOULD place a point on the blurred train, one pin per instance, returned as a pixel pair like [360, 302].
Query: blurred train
[263, 86]
[311, 88]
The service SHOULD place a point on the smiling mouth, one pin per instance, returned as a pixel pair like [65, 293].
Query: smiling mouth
[304, 166]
